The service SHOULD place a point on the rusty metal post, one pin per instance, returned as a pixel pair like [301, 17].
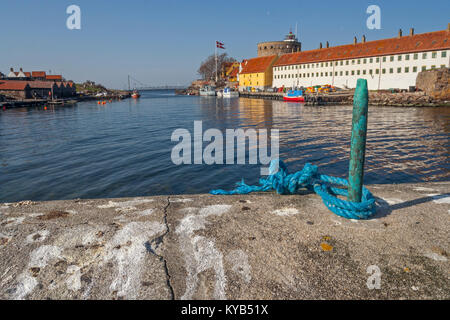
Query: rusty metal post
[358, 144]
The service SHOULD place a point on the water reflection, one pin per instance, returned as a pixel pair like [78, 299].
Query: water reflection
[123, 148]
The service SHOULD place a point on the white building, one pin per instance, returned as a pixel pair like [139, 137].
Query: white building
[387, 63]
[13, 74]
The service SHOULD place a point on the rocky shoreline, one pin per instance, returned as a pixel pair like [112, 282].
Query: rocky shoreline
[432, 90]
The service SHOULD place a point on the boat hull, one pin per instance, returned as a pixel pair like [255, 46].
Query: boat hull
[232, 94]
[208, 93]
[294, 99]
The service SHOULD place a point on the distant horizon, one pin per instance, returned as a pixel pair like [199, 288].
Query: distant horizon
[164, 43]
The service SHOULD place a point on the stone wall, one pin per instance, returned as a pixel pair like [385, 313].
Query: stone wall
[278, 48]
[435, 83]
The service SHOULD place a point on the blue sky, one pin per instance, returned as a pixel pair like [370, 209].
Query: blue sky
[163, 42]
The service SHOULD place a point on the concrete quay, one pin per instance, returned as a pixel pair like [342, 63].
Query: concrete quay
[260, 246]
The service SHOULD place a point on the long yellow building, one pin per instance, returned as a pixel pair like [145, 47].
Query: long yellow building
[257, 73]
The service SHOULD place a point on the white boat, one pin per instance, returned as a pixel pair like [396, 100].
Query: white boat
[228, 93]
[220, 94]
[207, 91]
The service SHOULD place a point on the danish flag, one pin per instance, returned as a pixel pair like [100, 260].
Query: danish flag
[220, 45]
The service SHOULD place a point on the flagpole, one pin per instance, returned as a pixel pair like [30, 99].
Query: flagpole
[216, 64]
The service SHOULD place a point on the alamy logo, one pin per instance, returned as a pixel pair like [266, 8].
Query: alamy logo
[374, 21]
[215, 153]
[74, 20]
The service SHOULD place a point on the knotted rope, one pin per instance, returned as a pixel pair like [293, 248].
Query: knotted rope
[326, 187]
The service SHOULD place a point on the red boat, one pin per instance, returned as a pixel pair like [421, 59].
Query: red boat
[294, 96]
[135, 94]
[294, 99]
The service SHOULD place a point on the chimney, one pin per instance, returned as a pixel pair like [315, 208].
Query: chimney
[411, 32]
[12, 69]
[21, 70]
[400, 33]
[328, 44]
[363, 39]
[355, 40]
[448, 27]
[321, 46]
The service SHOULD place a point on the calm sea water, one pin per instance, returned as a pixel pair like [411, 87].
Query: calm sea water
[124, 148]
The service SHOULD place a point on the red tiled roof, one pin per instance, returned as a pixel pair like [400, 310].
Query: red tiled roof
[53, 77]
[40, 84]
[27, 74]
[13, 85]
[257, 65]
[38, 74]
[437, 40]
[234, 73]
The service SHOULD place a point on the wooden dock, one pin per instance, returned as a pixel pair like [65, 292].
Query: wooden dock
[310, 100]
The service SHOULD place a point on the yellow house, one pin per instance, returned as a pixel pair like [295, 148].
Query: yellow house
[257, 73]
[230, 71]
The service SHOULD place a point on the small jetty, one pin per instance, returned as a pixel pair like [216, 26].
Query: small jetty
[10, 104]
[310, 100]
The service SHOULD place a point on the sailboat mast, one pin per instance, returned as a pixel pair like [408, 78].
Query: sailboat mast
[129, 88]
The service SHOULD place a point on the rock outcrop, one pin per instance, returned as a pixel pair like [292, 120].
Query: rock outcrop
[435, 83]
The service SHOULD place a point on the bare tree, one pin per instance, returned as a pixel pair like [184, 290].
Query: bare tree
[207, 69]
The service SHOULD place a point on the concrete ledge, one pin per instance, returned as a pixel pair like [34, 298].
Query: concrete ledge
[261, 246]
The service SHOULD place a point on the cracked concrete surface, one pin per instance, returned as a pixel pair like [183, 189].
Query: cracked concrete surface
[261, 246]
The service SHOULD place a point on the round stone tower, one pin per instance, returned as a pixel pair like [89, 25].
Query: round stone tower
[289, 45]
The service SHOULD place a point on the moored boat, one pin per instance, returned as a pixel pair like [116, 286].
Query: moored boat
[207, 91]
[294, 96]
[135, 94]
[228, 93]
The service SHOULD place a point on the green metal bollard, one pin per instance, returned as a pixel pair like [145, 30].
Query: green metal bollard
[358, 145]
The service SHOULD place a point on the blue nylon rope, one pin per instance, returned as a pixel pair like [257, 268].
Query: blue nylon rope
[326, 187]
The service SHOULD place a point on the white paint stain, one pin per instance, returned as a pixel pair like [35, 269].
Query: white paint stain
[420, 189]
[200, 253]
[239, 261]
[12, 222]
[39, 258]
[38, 236]
[147, 212]
[25, 285]
[42, 255]
[128, 250]
[181, 200]
[125, 204]
[440, 198]
[394, 201]
[435, 256]
[286, 212]
[73, 282]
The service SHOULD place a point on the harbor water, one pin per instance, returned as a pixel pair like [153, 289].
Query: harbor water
[123, 148]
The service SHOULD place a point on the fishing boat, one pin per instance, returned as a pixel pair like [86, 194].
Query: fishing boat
[135, 94]
[207, 91]
[294, 96]
[228, 93]
[220, 94]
